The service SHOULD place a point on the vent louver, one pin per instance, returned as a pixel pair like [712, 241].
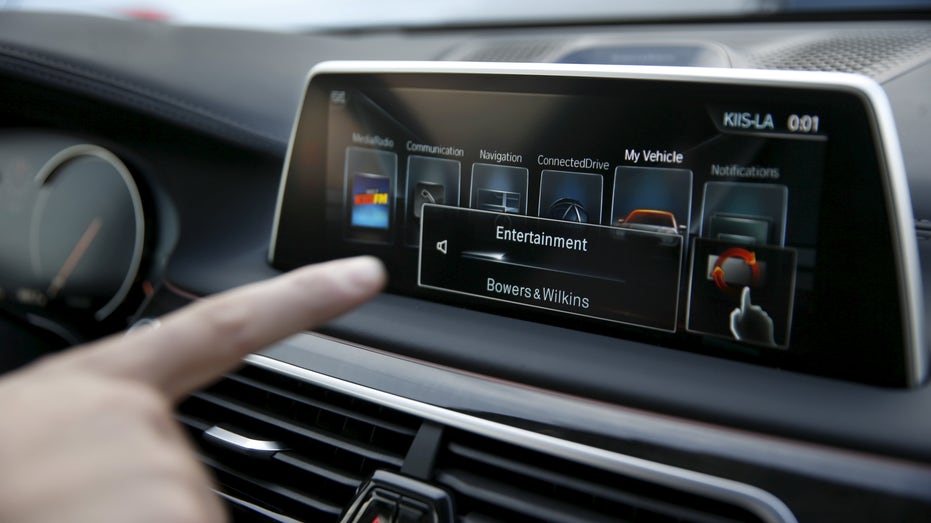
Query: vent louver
[497, 482]
[332, 442]
[284, 449]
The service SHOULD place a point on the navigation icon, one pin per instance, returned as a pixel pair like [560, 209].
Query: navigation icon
[441, 246]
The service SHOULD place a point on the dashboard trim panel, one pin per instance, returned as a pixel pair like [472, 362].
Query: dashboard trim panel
[859, 466]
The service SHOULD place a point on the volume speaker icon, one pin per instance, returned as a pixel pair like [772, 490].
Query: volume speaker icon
[441, 246]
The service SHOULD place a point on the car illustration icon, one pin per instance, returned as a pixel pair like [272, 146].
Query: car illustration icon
[649, 220]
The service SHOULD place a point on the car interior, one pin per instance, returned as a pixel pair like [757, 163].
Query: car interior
[667, 268]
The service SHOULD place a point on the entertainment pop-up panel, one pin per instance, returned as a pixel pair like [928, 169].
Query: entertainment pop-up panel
[755, 215]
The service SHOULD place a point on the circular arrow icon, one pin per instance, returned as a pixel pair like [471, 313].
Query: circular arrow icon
[749, 259]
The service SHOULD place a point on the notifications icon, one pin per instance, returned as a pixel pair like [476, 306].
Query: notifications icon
[441, 246]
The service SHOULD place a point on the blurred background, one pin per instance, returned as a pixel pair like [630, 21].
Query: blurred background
[305, 15]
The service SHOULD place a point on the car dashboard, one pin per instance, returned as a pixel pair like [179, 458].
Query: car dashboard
[425, 407]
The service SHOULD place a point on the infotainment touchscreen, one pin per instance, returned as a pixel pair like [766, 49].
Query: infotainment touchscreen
[744, 214]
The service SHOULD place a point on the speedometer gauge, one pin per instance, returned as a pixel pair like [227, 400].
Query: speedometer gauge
[87, 232]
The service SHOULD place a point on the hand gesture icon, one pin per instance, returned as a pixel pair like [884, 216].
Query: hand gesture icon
[751, 323]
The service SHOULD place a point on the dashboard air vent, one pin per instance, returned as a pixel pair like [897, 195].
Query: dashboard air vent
[290, 447]
[284, 450]
[880, 54]
[496, 482]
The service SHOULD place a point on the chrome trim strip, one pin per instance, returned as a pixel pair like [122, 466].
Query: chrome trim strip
[761, 503]
[284, 172]
[906, 256]
[238, 442]
[762, 77]
[903, 223]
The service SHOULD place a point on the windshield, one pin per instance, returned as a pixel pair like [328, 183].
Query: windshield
[343, 14]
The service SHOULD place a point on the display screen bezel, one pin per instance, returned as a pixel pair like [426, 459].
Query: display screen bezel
[304, 192]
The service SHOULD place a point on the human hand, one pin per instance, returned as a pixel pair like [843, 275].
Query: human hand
[751, 323]
[88, 435]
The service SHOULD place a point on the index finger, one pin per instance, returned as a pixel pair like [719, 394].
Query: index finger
[745, 301]
[201, 342]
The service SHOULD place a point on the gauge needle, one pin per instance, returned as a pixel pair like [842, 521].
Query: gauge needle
[76, 254]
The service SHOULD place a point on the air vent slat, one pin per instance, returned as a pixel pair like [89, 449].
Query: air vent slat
[390, 417]
[316, 404]
[331, 442]
[517, 501]
[318, 470]
[244, 511]
[350, 446]
[478, 518]
[505, 482]
[195, 423]
[578, 484]
[274, 489]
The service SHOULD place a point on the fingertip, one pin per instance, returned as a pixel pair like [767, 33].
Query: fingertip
[366, 272]
[745, 298]
[350, 279]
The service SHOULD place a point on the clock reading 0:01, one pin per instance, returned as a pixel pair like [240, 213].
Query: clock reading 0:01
[804, 123]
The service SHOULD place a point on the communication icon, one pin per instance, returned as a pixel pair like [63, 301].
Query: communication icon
[427, 193]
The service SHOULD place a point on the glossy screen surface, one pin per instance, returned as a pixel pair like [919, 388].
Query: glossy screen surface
[743, 221]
